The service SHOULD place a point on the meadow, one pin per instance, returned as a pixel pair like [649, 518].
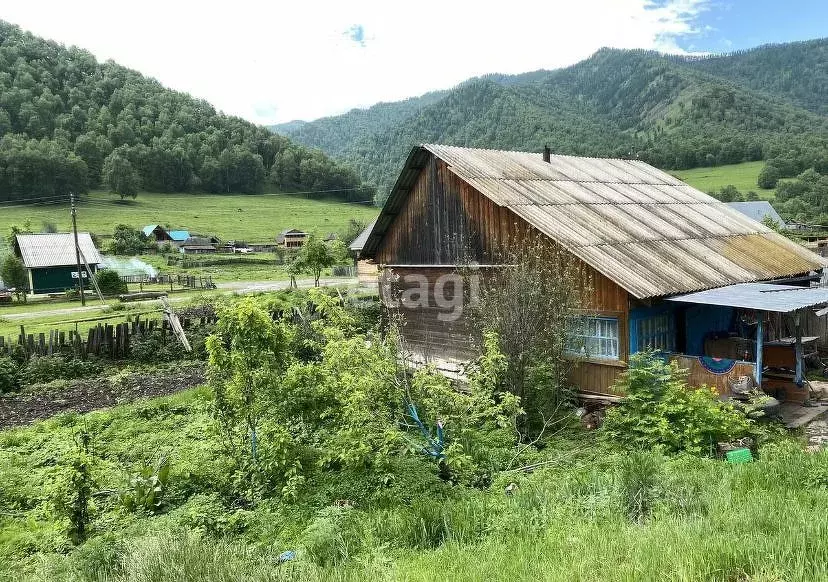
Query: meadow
[743, 176]
[253, 218]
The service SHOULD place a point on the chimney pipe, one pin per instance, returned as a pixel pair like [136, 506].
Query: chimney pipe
[547, 154]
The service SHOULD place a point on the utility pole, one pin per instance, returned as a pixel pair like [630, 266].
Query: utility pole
[77, 250]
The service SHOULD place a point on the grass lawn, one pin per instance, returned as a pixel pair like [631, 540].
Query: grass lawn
[252, 267]
[254, 218]
[743, 176]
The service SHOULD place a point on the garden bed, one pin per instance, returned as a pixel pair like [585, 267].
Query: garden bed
[89, 394]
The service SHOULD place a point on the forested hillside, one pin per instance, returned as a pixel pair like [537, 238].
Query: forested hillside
[672, 112]
[69, 123]
[796, 71]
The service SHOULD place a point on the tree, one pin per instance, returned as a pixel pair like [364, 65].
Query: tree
[529, 306]
[109, 282]
[120, 176]
[316, 256]
[768, 177]
[127, 241]
[13, 273]
[352, 230]
[248, 357]
[729, 193]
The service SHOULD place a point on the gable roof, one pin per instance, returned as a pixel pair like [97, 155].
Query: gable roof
[179, 235]
[280, 238]
[757, 210]
[149, 229]
[644, 229]
[55, 249]
[359, 242]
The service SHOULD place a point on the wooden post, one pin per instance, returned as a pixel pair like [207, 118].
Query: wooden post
[23, 342]
[798, 349]
[760, 338]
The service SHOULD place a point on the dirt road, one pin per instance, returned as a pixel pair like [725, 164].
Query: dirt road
[230, 287]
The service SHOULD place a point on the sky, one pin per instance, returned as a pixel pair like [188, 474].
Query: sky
[276, 61]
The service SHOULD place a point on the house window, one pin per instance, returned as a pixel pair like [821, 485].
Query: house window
[657, 333]
[595, 337]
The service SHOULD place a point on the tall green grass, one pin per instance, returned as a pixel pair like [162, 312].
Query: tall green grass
[708, 520]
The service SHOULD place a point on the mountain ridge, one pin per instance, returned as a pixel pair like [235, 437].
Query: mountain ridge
[673, 111]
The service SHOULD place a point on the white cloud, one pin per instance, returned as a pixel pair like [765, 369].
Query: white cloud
[277, 61]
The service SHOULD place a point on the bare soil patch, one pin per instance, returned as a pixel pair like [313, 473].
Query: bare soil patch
[90, 394]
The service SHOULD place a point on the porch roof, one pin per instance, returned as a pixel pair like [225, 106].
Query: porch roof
[759, 296]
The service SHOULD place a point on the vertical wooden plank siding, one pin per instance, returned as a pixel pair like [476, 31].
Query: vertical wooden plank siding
[444, 221]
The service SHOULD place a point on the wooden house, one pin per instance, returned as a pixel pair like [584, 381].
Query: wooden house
[51, 261]
[367, 271]
[641, 237]
[196, 245]
[291, 238]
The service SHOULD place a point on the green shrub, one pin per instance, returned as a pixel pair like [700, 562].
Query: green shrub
[9, 375]
[47, 368]
[660, 409]
[109, 282]
[207, 515]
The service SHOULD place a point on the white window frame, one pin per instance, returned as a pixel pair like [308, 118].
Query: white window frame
[596, 338]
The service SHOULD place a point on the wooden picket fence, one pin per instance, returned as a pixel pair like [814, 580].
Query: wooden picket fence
[104, 339]
[186, 281]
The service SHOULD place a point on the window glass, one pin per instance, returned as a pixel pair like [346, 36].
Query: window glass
[595, 337]
[657, 333]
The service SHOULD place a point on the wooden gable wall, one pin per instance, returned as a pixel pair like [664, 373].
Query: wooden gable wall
[444, 222]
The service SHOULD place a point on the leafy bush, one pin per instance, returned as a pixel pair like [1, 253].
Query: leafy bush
[153, 348]
[145, 488]
[47, 368]
[9, 375]
[660, 409]
[207, 515]
[72, 490]
[110, 282]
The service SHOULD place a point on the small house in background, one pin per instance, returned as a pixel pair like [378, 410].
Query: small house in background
[291, 238]
[758, 210]
[178, 237]
[367, 270]
[163, 236]
[332, 236]
[197, 245]
[51, 261]
[156, 231]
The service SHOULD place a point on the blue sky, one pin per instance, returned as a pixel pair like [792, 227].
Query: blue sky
[727, 25]
[276, 61]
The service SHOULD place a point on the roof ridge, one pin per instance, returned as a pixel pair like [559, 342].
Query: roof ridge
[523, 152]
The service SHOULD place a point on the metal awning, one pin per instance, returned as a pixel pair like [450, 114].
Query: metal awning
[759, 296]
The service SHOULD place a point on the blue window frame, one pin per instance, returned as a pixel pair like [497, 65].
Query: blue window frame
[657, 333]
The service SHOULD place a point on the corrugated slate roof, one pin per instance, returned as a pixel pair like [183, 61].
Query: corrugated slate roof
[757, 210]
[646, 230]
[359, 241]
[55, 250]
